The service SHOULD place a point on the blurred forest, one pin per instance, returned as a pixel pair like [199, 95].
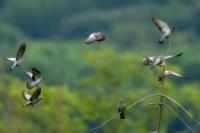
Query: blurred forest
[84, 83]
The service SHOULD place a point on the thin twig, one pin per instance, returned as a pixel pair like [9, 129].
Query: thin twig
[179, 105]
[161, 101]
[140, 100]
[132, 105]
[169, 46]
[173, 110]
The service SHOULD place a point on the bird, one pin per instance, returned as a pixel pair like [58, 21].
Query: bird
[95, 37]
[158, 60]
[32, 99]
[19, 58]
[36, 77]
[121, 109]
[168, 73]
[164, 29]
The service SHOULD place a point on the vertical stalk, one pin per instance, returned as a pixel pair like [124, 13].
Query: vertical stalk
[161, 100]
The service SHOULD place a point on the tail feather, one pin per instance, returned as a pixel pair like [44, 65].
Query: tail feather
[185, 77]
[10, 59]
[27, 104]
[178, 55]
[160, 41]
[122, 115]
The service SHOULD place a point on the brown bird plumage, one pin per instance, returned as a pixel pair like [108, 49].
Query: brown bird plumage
[121, 109]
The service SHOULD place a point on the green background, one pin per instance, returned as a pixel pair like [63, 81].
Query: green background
[84, 83]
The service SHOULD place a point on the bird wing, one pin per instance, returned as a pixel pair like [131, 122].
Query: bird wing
[159, 23]
[157, 61]
[170, 56]
[167, 57]
[151, 58]
[21, 51]
[90, 39]
[36, 94]
[26, 96]
[121, 108]
[168, 73]
[11, 59]
[29, 74]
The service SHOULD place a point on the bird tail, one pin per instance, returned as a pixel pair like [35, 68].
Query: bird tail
[122, 115]
[178, 55]
[160, 41]
[27, 104]
[185, 77]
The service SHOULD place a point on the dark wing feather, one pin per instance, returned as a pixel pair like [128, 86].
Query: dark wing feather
[21, 51]
[36, 94]
[35, 72]
[157, 23]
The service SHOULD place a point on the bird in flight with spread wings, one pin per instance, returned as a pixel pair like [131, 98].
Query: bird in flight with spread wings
[19, 58]
[164, 28]
[32, 99]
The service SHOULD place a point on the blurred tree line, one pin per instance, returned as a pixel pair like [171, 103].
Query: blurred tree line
[80, 79]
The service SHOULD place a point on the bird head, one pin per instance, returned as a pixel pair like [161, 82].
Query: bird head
[145, 61]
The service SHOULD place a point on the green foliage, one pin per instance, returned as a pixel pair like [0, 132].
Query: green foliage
[84, 83]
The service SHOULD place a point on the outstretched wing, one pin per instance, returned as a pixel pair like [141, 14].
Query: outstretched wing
[11, 59]
[26, 96]
[159, 23]
[168, 73]
[157, 61]
[167, 57]
[29, 74]
[21, 51]
[36, 94]
[170, 56]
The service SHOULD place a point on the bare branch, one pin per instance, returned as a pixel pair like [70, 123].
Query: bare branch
[174, 111]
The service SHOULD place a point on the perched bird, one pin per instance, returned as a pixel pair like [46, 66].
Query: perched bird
[36, 77]
[164, 29]
[19, 58]
[121, 109]
[31, 100]
[95, 37]
[158, 60]
[168, 73]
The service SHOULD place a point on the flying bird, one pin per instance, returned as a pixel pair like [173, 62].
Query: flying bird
[31, 100]
[36, 77]
[95, 37]
[168, 73]
[121, 109]
[164, 29]
[19, 58]
[158, 60]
